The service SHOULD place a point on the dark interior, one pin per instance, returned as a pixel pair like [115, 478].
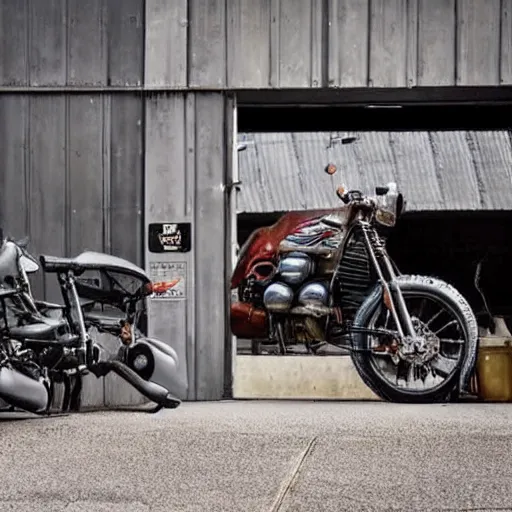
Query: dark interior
[445, 244]
[388, 117]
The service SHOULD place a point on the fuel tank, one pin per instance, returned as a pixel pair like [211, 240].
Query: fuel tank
[263, 244]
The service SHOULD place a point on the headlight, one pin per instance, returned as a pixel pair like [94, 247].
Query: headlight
[389, 206]
[140, 362]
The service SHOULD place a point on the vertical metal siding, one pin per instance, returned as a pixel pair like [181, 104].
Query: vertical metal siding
[388, 43]
[125, 33]
[87, 42]
[382, 43]
[217, 44]
[72, 180]
[47, 183]
[210, 234]
[14, 38]
[124, 184]
[348, 43]
[85, 180]
[47, 40]
[72, 175]
[186, 150]
[248, 33]
[299, 37]
[207, 43]
[13, 175]
[71, 42]
[478, 42]
[166, 43]
[166, 200]
[506, 43]
[436, 42]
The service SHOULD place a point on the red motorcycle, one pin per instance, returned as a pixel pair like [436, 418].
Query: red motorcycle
[326, 276]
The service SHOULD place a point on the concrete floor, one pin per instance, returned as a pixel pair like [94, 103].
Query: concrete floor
[262, 456]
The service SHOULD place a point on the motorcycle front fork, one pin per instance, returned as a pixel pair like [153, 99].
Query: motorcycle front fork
[84, 351]
[392, 294]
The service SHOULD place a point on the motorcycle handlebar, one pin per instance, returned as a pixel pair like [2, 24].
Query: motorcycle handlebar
[355, 196]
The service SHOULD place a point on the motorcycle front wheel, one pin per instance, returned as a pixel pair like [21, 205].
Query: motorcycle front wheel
[432, 374]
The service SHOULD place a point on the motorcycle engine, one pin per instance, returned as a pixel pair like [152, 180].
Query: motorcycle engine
[306, 302]
[293, 270]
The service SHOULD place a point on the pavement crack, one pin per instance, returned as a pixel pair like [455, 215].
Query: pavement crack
[289, 481]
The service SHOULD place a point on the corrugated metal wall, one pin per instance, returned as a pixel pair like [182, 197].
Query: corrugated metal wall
[436, 170]
[236, 44]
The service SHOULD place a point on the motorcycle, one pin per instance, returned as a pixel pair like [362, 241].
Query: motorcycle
[327, 277]
[43, 343]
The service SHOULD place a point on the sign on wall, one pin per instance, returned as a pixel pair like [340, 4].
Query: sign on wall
[169, 279]
[169, 237]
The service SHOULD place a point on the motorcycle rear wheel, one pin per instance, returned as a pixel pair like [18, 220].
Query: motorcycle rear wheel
[452, 302]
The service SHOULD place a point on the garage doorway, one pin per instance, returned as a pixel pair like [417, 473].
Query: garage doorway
[443, 164]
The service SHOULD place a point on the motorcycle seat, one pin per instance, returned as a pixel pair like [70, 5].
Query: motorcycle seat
[37, 331]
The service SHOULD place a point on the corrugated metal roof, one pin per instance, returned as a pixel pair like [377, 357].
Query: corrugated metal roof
[463, 170]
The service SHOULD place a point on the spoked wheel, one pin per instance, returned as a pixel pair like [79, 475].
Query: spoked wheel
[425, 368]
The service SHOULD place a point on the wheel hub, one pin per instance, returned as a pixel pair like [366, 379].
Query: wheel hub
[423, 347]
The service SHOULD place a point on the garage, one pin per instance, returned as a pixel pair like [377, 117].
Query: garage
[105, 143]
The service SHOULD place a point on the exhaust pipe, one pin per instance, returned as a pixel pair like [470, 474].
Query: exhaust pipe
[151, 390]
[23, 392]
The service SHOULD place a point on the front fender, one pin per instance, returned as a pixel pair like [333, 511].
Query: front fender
[163, 364]
[449, 293]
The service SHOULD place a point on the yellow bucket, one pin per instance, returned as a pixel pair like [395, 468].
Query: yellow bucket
[494, 373]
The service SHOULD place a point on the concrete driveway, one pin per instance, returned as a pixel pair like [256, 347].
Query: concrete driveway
[262, 456]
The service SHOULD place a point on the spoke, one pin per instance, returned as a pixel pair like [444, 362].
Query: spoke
[453, 342]
[421, 308]
[429, 374]
[435, 317]
[451, 322]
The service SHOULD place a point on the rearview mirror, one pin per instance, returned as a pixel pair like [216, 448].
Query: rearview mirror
[330, 169]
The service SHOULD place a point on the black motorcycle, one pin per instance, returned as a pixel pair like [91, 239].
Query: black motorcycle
[42, 343]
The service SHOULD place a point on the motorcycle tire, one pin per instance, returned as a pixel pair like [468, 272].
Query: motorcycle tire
[451, 299]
